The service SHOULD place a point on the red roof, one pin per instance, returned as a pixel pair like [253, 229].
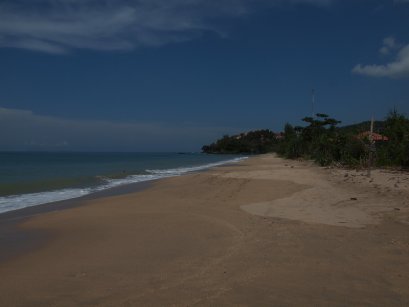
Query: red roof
[375, 136]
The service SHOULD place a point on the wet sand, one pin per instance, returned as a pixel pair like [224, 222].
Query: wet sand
[264, 232]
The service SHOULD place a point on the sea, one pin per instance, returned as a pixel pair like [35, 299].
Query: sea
[35, 178]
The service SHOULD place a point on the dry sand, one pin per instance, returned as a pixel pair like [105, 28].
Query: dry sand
[265, 232]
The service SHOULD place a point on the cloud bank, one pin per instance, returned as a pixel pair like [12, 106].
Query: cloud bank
[57, 26]
[398, 68]
[24, 130]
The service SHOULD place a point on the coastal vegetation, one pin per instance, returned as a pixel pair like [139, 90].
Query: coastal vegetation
[322, 140]
[253, 142]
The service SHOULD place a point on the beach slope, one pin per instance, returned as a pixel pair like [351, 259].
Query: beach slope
[264, 232]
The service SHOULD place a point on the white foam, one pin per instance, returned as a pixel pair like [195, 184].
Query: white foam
[15, 202]
[183, 170]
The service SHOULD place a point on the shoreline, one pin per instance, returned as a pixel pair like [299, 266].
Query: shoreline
[261, 232]
[15, 241]
[109, 187]
[67, 203]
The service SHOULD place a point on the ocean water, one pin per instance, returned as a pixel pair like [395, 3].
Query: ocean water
[34, 178]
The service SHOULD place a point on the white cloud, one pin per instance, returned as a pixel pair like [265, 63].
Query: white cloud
[398, 68]
[56, 26]
[389, 45]
[25, 130]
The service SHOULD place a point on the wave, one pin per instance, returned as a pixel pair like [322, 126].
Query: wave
[183, 170]
[15, 202]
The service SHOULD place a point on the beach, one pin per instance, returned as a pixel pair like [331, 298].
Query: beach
[262, 232]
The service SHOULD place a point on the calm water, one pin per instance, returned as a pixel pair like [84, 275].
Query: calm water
[28, 179]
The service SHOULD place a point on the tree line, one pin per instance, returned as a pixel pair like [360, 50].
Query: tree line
[322, 140]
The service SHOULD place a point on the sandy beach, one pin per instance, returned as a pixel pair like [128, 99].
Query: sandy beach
[263, 232]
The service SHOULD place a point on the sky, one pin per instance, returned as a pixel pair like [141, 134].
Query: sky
[173, 75]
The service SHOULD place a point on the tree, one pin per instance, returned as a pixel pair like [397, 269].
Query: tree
[395, 152]
[253, 142]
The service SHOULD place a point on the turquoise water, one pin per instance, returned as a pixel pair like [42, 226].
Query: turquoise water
[28, 179]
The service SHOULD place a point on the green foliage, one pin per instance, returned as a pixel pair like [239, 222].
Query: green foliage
[290, 146]
[325, 143]
[253, 142]
[395, 152]
[318, 141]
[352, 150]
[322, 141]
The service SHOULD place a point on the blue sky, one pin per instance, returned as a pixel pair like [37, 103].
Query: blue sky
[156, 75]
